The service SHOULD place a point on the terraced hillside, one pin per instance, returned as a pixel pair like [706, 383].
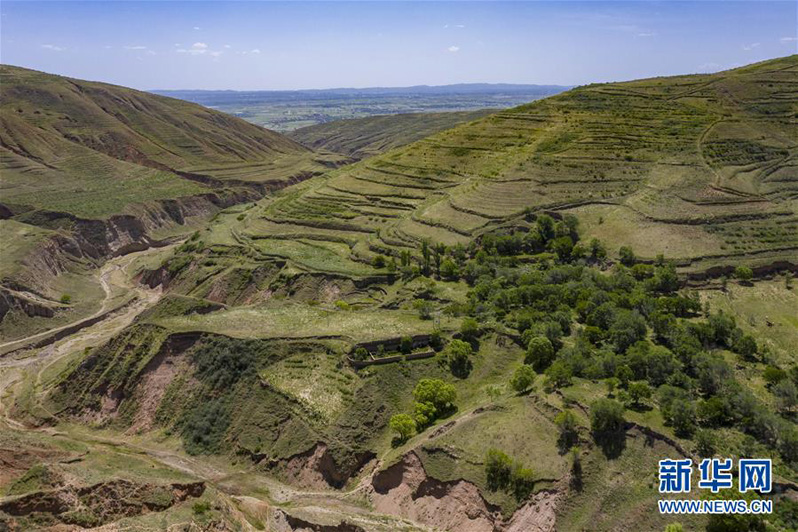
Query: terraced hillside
[365, 137]
[90, 170]
[702, 169]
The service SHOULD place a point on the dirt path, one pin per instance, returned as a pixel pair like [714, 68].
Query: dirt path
[27, 364]
[104, 279]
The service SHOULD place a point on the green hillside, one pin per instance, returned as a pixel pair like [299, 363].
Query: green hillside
[365, 137]
[700, 168]
[93, 149]
[504, 326]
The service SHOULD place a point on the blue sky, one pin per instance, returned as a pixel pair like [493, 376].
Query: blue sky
[288, 45]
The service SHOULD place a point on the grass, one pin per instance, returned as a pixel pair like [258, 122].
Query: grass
[365, 137]
[754, 306]
[17, 240]
[641, 156]
[296, 320]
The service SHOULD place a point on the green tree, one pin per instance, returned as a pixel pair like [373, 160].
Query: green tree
[424, 308]
[706, 444]
[545, 225]
[522, 378]
[403, 425]
[569, 429]
[523, 481]
[469, 329]
[608, 425]
[498, 469]
[458, 356]
[639, 391]
[406, 344]
[744, 274]
[378, 262]
[424, 414]
[627, 256]
[449, 269]
[539, 353]
[441, 394]
[674, 527]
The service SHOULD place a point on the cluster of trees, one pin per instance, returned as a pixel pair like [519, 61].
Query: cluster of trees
[434, 398]
[629, 326]
[504, 473]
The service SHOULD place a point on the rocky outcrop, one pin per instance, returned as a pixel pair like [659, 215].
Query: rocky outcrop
[317, 468]
[95, 505]
[404, 489]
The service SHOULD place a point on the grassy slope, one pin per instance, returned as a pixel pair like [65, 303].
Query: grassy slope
[92, 149]
[705, 164]
[365, 137]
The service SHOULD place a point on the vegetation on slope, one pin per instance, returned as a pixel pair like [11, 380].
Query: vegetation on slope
[361, 138]
[642, 155]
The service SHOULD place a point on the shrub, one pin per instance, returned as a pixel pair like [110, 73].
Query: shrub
[66, 299]
[539, 353]
[569, 430]
[424, 414]
[441, 394]
[342, 305]
[522, 378]
[498, 469]
[744, 274]
[469, 329]
[361, 353]
[627, 256]
[608, 425]
[705, 444]
[406, 344]
[378, 262]
[403, 425]
[523, 480]
[458, 356]
[424, 308]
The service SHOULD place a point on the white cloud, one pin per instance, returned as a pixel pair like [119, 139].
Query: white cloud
[199, 46]
[453, 49]
[647, 34]
[53, 48]
[107, 46]
[447, 26]
[216, 54]
[138, 47]
[227, 46]
[785, 40]
[151, 52]
[255, 51]
[749, 47]
[196, 27]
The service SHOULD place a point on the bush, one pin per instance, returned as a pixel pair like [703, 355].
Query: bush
[627, 256]
[569, 433]
[522, 378]
[498, 469]
[403, 425]
[539, 353]
[608, 425]
[66, 299]
[406, 345]
[361, 353]
[378, 262]
[705, 444]
[744, 274]
[469, 329]
[342, 305]
[523, 480]
[440, 394]
[639, 391]
[424, 308]
[424, 414]
[458, 356]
